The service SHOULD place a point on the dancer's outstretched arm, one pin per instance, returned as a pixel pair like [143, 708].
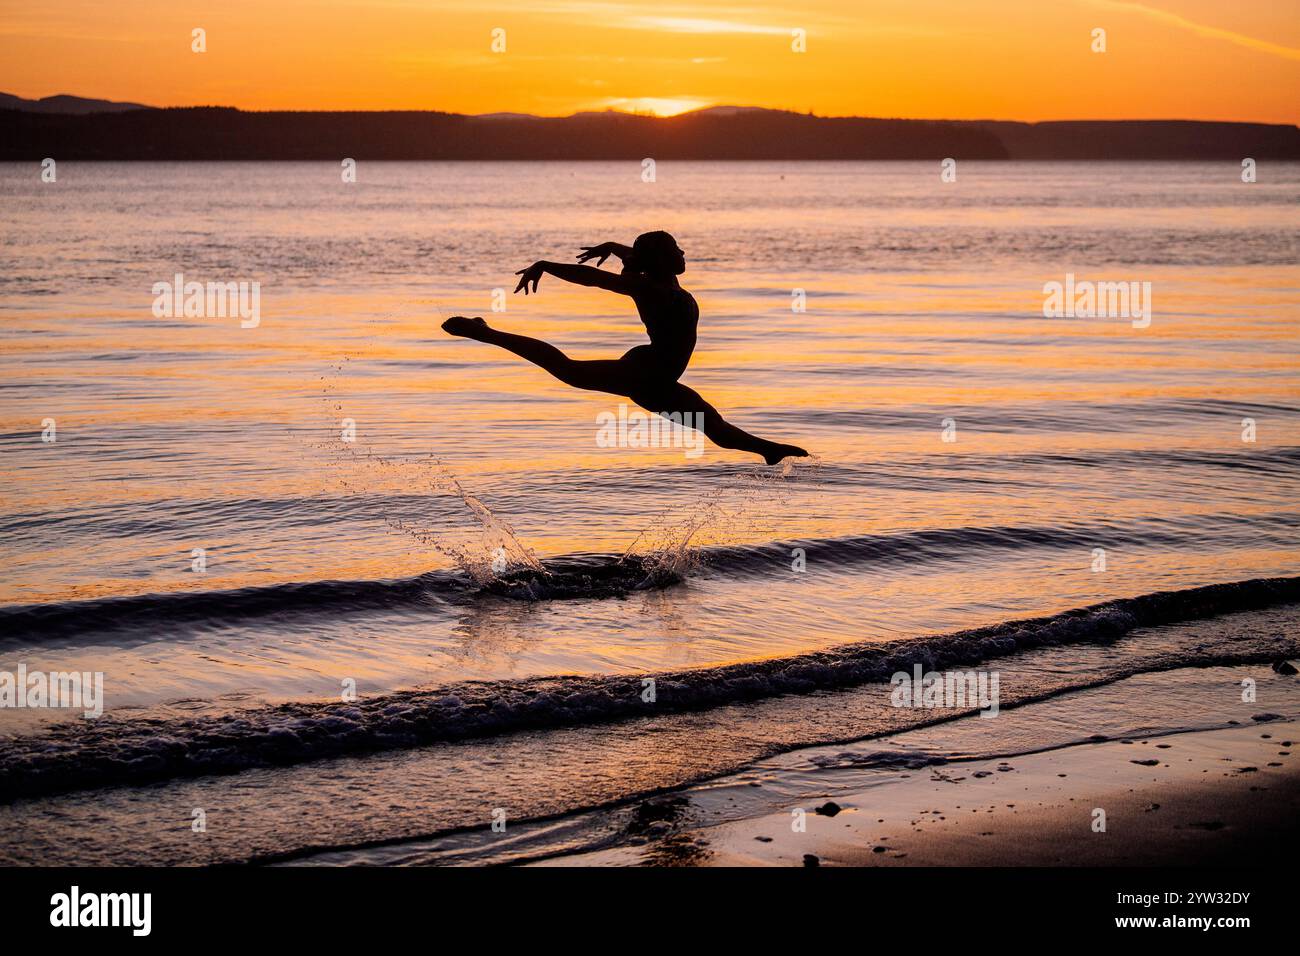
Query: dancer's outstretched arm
[579, 275]
[603, 251]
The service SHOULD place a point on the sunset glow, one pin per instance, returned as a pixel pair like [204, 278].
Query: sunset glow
[1009, 59]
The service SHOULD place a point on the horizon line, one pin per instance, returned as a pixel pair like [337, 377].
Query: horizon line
[642, 114]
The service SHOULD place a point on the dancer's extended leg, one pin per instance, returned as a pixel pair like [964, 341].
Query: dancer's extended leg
[628, 377]
[680, 399]
[599, 375]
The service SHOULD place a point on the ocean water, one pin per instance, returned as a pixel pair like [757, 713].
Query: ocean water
[483, 572]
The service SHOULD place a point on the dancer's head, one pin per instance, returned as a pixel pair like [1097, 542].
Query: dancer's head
[656, 254]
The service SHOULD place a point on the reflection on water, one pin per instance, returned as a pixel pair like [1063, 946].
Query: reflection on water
[924, 305]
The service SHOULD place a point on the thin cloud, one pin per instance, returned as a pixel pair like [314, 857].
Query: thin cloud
[697, 25]
[1200, 29]
[636, 16]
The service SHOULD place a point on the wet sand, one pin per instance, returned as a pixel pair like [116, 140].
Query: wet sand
[1222, 796]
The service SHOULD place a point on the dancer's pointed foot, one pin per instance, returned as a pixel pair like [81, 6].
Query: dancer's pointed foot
[780, 452]
[468, 328]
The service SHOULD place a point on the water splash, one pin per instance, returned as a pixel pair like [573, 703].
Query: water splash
[733, 511]
[494, 551]
[498, 549]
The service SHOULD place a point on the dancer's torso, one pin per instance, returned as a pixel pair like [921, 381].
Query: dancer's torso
[670, 316]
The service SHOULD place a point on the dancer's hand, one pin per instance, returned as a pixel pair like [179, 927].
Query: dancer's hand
[599, 252]
[532, 274]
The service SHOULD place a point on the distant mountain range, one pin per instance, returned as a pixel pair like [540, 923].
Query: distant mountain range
[63, 103]
[70, 127]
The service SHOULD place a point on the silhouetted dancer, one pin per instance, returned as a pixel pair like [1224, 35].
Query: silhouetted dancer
[647, 374]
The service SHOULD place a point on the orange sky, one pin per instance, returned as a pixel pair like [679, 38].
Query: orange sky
[1004, 59]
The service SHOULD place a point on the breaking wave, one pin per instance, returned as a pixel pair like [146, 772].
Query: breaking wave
[116, 750]
[596, 576]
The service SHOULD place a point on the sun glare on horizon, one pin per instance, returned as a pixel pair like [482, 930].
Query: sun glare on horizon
[657, 106]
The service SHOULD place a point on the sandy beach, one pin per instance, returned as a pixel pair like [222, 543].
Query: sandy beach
[1224, 796]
